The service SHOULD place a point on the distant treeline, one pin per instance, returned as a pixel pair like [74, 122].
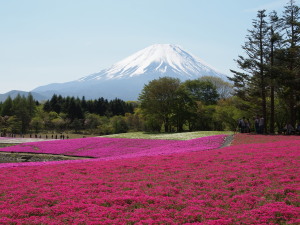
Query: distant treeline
[165, 105]
[75, 108]
[23, 115]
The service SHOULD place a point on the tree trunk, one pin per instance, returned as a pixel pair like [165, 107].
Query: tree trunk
[166, 125]
[272, 113]
[272, 97]
[262, 79]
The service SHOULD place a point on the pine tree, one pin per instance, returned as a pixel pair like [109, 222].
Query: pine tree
[31, 104]
[252, 83]
[7, 107]
[275, 41]
[291, 77]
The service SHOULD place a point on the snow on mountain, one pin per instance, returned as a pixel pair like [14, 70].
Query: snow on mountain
[126, 78]
[164, 59]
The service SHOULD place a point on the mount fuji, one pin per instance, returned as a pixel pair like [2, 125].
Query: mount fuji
[126, 78]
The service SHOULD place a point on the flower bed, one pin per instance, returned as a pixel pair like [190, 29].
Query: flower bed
[254, 138]
[117, 147]
[246, 184]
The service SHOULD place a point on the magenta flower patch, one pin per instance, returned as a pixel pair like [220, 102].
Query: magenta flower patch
[242, 184]
[117, 147]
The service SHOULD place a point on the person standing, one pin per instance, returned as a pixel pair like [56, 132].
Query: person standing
[261, 125]
[242, 125]
[247, 126]
[256, 124]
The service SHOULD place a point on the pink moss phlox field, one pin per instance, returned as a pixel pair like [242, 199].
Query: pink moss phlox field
[242, 184]
[117, 147]
[254, 138]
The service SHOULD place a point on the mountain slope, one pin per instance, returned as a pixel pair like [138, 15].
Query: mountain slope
[159, 58]
[14, 94]
[125, 79]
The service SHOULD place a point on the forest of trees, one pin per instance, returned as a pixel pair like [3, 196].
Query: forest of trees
[269, 77]
[23, 115]
[267, 84]
[170, 105]
[165, 104]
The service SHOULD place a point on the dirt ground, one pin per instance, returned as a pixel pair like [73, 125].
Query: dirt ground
[8, 157]
[12, 157]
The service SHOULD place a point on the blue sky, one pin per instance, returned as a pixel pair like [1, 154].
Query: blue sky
[53, 41]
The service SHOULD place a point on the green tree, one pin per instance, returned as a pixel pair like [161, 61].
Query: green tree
[224, 88]
[15, 125]
[55, 103]
[202, 90]
[4, 125]
[31, 105]
[275, 41]
[7, 107]
[105, 126]
[135, 121]
[184, 107]
[77, 125]
[119, 124]
[251, 84]
[21, 112]
[228, 112]
[74, 110]
[92, 121]
[158, 99]
[37, 124]
[291, 60]
[59, 125]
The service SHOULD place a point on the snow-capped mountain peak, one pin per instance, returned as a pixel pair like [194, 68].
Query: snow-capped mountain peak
[163, 59]
[126, 78]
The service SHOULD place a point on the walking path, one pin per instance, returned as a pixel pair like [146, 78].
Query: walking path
[21, 140]
[227, 141]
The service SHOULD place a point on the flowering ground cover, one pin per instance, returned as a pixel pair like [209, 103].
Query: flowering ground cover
[117, 147]
[254, 138]
[241, 184]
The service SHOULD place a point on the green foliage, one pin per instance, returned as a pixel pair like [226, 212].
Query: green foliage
[7, 107]
[158, 99]
[22, 110]
[105, 126]
[135, 121]
[223, 88]
[227, 113]
[76, 108]
[15, 125]
[201, 90]
[37, 124]
[270, 68]
[76, 124]
[60, 125]
[153, 124]
[119, 124]
[168, 103]
[92, 121]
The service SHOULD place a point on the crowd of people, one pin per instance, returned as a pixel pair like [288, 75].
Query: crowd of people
[245, 126]
[61, 136]
[289, 129]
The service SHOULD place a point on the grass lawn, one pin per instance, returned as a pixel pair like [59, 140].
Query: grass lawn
[169, 136]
